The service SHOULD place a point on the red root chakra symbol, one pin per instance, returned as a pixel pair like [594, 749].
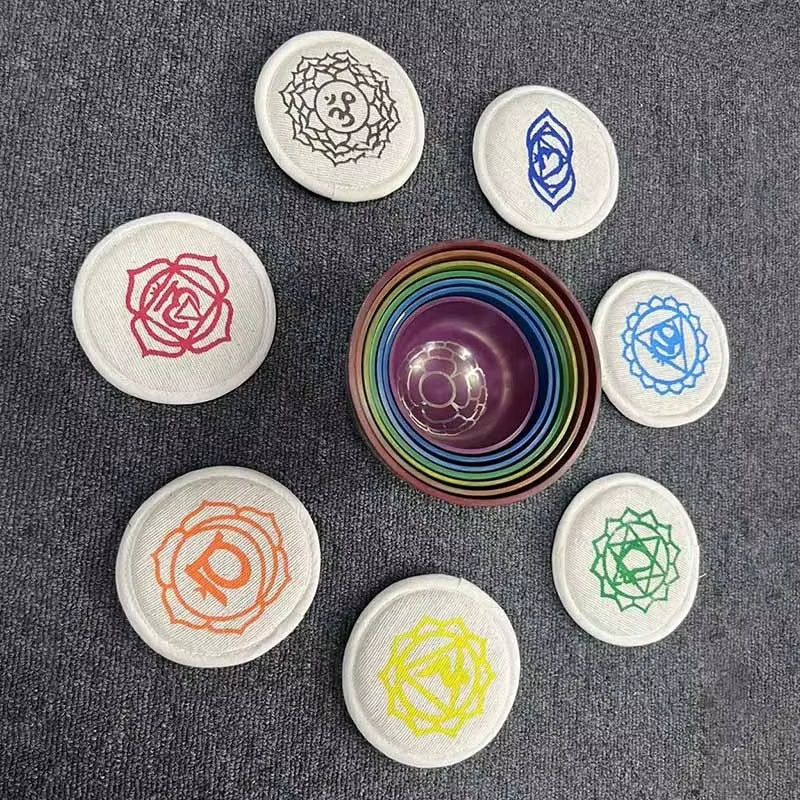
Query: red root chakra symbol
[179, 306]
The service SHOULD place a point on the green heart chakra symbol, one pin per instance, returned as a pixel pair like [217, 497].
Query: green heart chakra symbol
[635, 560]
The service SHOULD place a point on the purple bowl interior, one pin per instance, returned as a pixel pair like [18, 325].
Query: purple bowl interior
[463, 374]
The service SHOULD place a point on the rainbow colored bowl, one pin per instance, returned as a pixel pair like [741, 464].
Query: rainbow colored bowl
[474, 373]
[542, 402]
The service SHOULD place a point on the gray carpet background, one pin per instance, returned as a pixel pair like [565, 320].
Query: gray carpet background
[111, 111]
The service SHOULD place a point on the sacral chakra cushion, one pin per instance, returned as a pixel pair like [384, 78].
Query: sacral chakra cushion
[218, 566]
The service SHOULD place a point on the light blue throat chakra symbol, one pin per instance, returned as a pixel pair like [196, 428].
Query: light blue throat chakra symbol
[550, 160]
[665, 345]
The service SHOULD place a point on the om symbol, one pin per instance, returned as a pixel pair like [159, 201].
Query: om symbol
[347, 98]
[550, 171]
[341, 106]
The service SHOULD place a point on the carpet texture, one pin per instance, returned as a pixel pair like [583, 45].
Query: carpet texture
[112, 111]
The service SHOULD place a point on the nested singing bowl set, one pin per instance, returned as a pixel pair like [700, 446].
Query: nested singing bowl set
[474, 373]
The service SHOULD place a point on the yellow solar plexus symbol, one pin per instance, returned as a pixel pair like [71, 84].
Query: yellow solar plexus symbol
[437, 676]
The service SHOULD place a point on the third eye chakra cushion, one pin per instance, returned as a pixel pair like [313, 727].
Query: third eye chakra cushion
[340, 116]
[545, 162]
[431, 670]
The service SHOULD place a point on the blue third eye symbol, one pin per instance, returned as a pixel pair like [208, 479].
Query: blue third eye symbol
[550, 159]
[665, 345]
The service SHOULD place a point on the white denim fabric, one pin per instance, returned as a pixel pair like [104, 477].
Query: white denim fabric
[174, 308]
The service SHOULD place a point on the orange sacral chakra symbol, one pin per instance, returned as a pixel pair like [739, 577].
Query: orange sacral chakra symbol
[221, 568]
[208, 580]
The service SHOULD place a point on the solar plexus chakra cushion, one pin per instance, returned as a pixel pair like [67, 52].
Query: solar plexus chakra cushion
[431, 670]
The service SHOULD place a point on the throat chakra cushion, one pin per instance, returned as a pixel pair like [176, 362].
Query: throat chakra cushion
[663, 349]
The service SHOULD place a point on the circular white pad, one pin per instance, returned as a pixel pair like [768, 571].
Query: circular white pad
[663, 349]
[626, 560]
[174, 308]
[340, 116]
[545, 163]
[431, 670]
[218, 566]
